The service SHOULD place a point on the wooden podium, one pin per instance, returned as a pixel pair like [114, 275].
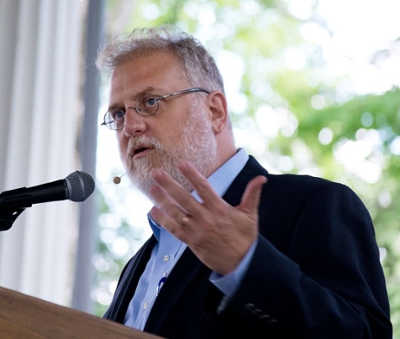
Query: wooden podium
[25, 317]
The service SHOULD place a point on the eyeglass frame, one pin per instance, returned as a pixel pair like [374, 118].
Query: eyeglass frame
[108, 124]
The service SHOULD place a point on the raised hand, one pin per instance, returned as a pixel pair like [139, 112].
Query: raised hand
[218, 234]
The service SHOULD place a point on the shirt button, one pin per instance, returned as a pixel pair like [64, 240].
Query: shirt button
[166, 258]
[145, 305]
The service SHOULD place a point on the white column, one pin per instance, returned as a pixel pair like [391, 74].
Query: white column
[40, 111]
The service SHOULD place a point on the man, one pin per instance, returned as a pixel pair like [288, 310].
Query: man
[236, 252]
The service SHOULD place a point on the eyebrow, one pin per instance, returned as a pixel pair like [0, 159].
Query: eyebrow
[147, 90]
[134, 97]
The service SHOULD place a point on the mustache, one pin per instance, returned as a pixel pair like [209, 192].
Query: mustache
[143, 141]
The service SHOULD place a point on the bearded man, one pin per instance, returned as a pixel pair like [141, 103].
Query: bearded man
[236, 252]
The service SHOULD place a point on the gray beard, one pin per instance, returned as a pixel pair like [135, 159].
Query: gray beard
[196, 146]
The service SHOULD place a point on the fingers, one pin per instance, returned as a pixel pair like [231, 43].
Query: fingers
[178, 201]
[250, 199]
[175, 225]
[181, 196]
[168, 207]
[251, 196]
[199, 183]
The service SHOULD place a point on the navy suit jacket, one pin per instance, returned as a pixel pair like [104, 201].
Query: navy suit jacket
[315, 272]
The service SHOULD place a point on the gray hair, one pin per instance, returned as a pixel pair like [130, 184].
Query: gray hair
[199, 68]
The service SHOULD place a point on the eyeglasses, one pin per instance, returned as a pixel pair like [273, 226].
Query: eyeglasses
[145, 105]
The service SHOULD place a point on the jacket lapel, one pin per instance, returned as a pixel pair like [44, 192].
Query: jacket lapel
[234, 194]
[129, 279]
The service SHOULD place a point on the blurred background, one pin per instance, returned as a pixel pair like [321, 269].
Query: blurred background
[313, 87]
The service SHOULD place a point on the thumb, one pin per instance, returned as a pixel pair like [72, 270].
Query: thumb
[251, 196]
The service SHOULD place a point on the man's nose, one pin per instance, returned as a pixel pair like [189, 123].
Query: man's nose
[134, 123]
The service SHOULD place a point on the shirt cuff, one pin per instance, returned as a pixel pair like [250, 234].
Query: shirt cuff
[228, 284]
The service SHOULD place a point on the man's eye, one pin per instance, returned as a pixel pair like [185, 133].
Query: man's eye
[118, 114]
[150, 102]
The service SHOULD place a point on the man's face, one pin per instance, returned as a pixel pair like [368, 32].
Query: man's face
[180, 130]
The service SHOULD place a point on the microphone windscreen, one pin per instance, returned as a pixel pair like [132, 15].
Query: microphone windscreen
[79, 185]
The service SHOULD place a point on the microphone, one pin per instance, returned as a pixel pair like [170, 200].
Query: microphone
[77, 186]
[117, 180]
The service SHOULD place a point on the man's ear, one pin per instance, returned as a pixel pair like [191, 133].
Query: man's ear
[218, 111]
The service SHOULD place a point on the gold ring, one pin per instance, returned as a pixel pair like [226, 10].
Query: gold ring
[184, 221]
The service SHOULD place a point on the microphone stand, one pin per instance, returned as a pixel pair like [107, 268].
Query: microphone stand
[11, 208]
[8, 216]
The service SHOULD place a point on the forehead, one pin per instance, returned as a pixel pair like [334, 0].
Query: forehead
[158, 70]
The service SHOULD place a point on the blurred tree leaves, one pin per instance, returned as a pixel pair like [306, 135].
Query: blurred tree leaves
[288, 108]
